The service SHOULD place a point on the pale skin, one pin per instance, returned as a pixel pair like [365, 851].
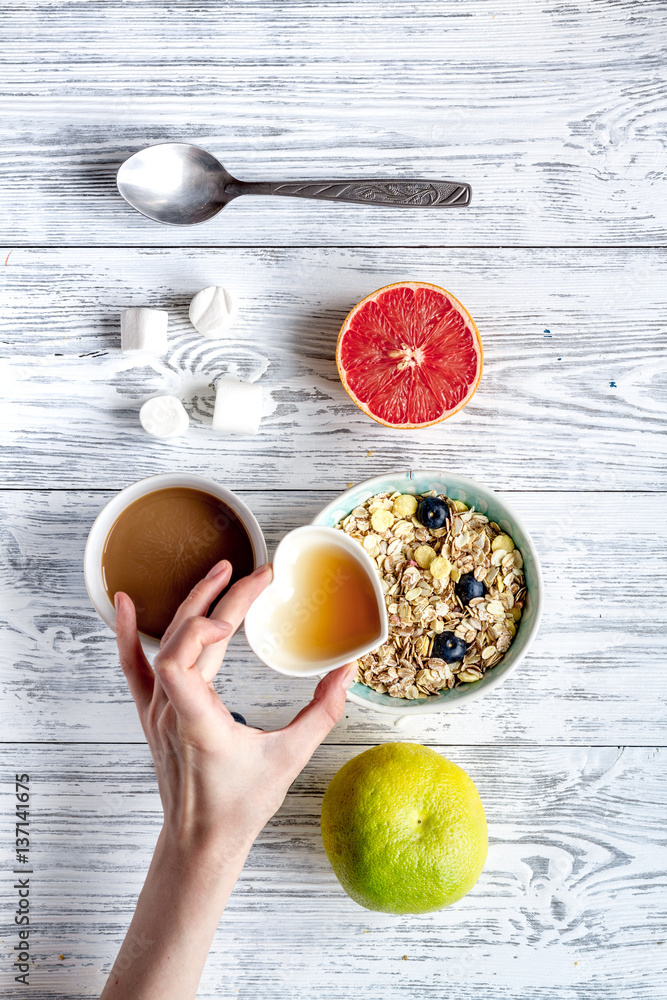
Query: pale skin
[219, 781]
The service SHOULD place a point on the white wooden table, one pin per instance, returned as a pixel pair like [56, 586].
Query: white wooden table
[557, 116]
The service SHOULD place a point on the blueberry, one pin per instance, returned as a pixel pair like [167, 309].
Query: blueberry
[448, 647]
[237, 717]
[432, 512]
[468, 587]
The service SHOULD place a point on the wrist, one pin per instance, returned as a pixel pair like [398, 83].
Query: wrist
[202, 854]
[185, 892]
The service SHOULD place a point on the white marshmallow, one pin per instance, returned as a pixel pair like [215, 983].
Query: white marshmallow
[238, 406]
[210, 312]
[164, 417]
[143, 331]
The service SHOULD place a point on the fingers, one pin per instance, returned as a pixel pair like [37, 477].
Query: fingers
[175, 665]
[137, 670]
[232, 608]
[234, 605]
[201, 596]
[305, 733]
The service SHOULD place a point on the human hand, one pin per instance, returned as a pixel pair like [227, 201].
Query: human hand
[219, 781]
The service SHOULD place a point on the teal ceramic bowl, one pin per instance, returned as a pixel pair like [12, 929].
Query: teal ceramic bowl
[486, 502]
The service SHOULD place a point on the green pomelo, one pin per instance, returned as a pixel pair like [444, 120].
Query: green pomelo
[404, 829]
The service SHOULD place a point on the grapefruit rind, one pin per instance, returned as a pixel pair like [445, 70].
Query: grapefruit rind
[382, 330]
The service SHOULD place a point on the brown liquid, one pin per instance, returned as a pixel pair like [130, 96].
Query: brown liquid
[332, 611]
[163, 543]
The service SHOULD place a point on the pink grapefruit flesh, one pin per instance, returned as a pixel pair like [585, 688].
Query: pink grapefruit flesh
[409, 355]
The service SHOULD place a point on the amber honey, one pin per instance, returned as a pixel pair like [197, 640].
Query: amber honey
[331, 609]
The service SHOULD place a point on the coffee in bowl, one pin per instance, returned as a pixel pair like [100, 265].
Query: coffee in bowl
[158, 537]
[163, 543]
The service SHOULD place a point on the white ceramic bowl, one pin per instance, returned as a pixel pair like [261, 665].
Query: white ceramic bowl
[266, 642]
[487, 502]
[92, 559]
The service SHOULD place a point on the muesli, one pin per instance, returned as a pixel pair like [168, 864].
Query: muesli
[454, 588]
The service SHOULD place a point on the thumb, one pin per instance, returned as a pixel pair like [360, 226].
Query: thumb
[135, 666]
[307, 730]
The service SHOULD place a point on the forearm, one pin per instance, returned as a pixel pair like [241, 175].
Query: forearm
[177, 913]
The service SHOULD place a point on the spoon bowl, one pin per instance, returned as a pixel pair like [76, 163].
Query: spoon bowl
[179, 184]
[174, 183]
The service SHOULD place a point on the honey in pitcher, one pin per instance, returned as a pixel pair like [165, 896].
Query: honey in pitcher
[332, 609]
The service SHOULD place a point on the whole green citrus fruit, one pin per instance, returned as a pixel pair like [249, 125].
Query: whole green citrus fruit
[404, 829]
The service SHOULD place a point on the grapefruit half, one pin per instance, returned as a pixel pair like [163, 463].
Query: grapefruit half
[409, 355]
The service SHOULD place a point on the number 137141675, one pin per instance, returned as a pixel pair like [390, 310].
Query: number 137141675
[22, 818]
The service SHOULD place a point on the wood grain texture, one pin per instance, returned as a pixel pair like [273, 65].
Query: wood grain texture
[594, 675]
[572, 395]
[555, 114]
[570, 906]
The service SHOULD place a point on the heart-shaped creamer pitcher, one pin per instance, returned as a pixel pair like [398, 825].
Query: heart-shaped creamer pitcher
[324, 607]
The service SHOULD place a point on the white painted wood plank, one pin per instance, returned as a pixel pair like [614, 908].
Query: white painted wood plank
[570, 905]
[596, 673]
[572, 396]
[555, 114]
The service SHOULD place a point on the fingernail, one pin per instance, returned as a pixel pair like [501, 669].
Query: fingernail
[223, 626]
[115, 601]
[265, 567]
[350, 674]
[219, 568]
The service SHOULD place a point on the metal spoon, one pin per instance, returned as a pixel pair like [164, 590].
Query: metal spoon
[182, 185]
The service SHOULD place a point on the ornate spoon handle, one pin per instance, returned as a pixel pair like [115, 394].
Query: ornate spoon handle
[419, 194]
